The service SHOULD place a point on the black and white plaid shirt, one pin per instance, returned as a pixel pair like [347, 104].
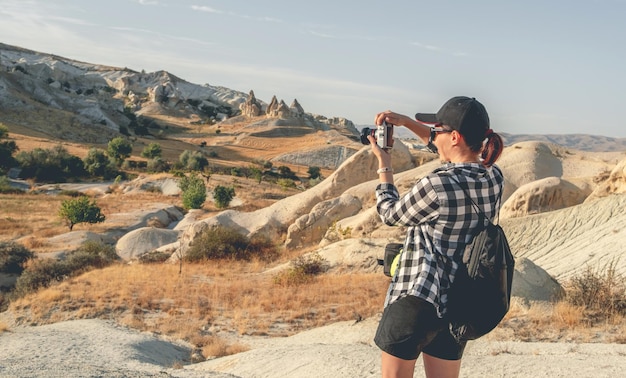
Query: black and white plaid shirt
[440, 220]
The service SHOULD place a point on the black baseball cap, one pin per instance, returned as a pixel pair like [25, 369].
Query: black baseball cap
[464, 114]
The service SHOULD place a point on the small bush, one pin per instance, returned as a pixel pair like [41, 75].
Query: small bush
[158, 165]
[97, 163]
[154, 257]
[314, 172]
[193, 192]
[119, 149]
[71, 193]
[6, 188]
[50, 165]
[40, 274]
[223, 195]
[286, 183]
[193, 160]
[601, 292]
[152, 151]
[13, 257]
[43, 273]
[302, 270]
[226, 243]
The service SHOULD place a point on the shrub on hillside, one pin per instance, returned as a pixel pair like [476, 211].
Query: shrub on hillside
[286, 183]
[50, 165]
[193, 191]
[602, 292]
[152, 151]
[13, 257]
[193, 160]
[42, 273]
[314, 172]
[223, 195]
[119, 149]
[71, 193]
[302, 270]
[226, 243]
[98, 164]
[7, 149]
[158, 165]
[6, 188]
[154, 257]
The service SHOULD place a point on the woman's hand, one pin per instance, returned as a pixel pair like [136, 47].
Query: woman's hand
[384, 157]
[421, 130]
[392, 118]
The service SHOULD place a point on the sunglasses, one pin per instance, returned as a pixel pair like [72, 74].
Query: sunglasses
[433, 134]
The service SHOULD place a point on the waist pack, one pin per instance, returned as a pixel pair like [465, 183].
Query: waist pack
[481, 292]
[391, 258]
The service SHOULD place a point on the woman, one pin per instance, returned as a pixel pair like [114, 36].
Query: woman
[440, 222]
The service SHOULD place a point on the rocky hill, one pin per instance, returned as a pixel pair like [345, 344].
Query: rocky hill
[90, 103]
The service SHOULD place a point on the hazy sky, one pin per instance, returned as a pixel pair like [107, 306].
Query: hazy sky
[541, 67]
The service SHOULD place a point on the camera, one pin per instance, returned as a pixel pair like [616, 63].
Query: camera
[382, 133]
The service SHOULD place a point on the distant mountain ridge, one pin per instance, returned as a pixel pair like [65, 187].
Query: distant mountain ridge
[582, 142]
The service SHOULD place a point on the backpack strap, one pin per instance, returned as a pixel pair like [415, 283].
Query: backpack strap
[480, 213]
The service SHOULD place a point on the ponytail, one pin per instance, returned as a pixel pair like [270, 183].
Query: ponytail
[492, 148]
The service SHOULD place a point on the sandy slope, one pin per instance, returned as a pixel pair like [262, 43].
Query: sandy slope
[97, 348]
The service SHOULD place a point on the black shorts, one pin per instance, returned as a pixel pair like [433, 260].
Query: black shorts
[410, 325]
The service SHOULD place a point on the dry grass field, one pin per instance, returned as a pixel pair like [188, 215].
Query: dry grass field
[208, 304]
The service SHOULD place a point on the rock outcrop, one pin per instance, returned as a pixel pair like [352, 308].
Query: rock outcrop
[144, 240]
[310, 228]
[533, 283]
[615, 183]
[252, 107]
[542, 195]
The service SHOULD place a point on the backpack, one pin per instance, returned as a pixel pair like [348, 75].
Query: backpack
[481, 292]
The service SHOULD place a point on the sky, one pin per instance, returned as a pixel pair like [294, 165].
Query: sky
[538, 66]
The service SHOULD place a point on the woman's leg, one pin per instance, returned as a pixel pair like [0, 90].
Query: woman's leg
[394, 367]
[439, 368]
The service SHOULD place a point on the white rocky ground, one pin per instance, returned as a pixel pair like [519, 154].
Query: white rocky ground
[97, 348]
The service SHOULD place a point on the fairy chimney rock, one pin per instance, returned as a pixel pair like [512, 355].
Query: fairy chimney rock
[282, 110]
[251, 108]
[272, 107]
[296, 108]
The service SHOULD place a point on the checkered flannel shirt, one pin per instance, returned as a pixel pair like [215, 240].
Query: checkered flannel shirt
[440, 220]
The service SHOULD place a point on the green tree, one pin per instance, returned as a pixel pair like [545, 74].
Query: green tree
[152, 151]
[97, 163]
[193, 160]
[80, 210]
[50, 165]
[119, 149]
[223, 195]
[314, 172]
[286, 172]
[158, 165]
[193, 191]
[7, 149]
